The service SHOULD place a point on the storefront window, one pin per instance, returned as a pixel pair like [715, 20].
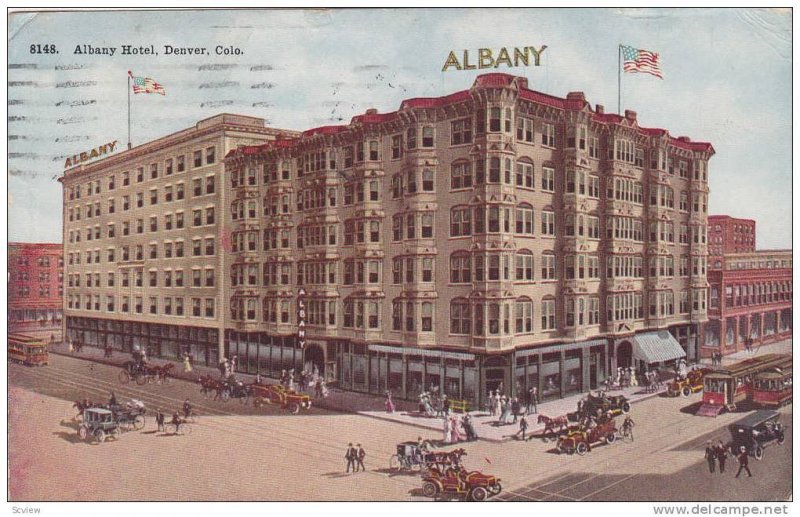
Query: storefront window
[452, 378]
[375, 374]
[730, 331]
[414, 382]
[769, 323]
[551, 387]
[433, 375]
[360, 372]
[396, 374]
[470, 381]
[755, 326]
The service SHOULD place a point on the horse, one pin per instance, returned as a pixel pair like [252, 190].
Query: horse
[207, 384]
[550, 424]
[161, 372]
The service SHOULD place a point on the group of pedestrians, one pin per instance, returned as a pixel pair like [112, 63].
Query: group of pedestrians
[718, 455]
[177, 420]
[355, 458]
[75, 346]
[452, 427]
[509, 409]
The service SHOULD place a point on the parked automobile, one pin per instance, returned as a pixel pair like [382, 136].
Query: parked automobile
[755, 432]
[692, 383]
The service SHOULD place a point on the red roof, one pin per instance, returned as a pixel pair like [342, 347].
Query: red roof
[324, 130]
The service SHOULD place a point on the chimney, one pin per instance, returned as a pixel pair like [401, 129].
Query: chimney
[684, 139]
[372, 111]
[576, 96]
[600, 109]
[630, 115]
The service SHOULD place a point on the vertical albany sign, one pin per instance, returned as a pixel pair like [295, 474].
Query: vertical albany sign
[301, 318]
[486, 58]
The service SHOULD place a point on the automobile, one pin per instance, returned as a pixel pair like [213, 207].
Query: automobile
[692, 383]
[600, 404]
[755, 432]
[98, 423]
[581, 440]
[455, 480]
[280, 395]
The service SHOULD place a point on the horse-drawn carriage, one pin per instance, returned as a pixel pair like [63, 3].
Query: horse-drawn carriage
[142, 373]
[413, 455]
[280, 395]
[582, 439]
[130, 415]
[455, 480]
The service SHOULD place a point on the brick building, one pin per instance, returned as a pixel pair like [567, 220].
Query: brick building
[727, 234]
[35, 289]
[493, 236]
[750, 297]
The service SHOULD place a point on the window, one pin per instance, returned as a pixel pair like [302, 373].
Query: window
[548, 314]
[427, 225]
[524, 130]
[210, 185]
[410, 229]
[524, 266]
[460, 268]
[548, 135]
[460, 321]
[427, 180]
[548, 266]
[427, 136]
[397, 146]
[495, 119]
[524, 175]
[210, 155]
[461, 132]
[374, 155]
[461, 175]
[548, 179]
[427, 317]
[140, 174]
[523, 316]
[524, 219]
[548, 223]
[410, 316]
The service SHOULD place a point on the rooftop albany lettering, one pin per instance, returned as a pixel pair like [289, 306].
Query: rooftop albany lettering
[77, 159]
[486, 58]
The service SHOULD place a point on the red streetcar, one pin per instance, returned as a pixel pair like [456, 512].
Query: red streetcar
[773, 388]
[27, 350]
[733, 384]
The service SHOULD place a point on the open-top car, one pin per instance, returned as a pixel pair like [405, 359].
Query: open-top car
[473, 486]
[582, 439]
[279, 395]
[98, 423]
[692, 383]
[755, 432]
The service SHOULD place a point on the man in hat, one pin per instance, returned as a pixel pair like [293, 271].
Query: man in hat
[160, 420]
[722, 454]
[361, 454]
[350, 456]
[711, 456]
[743, 461]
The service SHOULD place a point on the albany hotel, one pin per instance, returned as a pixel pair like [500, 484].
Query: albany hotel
[494, 236]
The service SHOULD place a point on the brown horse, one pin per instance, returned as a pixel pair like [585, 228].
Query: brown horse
[552, 426]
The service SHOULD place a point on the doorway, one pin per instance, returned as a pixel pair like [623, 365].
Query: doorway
[625, 355]
[314, 357]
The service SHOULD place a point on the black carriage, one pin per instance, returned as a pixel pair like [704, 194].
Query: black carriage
[233, 389]
[130, 416]
[136, 371]
[600, 405]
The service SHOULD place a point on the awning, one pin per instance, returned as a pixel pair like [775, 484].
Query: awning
[559, 347]
[657, 347]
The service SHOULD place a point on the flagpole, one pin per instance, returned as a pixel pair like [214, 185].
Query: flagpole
[129, 109]
[619, 79]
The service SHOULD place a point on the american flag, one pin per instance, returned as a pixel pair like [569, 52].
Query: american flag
[146, 85]
[637, 60]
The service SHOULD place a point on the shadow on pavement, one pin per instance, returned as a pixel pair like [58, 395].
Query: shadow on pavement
[70, 437]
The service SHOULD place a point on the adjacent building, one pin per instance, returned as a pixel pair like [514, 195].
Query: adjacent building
[726, 235]
[493, 238]
[35, 289]
[144, 242]
[750, 299]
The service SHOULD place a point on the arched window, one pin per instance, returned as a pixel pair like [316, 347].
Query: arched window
[524, 176]
[524, 266]
[524, 219]
[523, 315]
[460, 316]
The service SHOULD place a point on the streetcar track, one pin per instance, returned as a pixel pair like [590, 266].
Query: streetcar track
[101, 386]
[608, 486]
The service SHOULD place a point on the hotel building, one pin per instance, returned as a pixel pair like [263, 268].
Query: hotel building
[494, 236]
[729, 235]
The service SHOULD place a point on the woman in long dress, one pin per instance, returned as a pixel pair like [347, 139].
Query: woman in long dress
[446, 429]
[455, 434]
[506, 418]
[187, 363]
[389, 404]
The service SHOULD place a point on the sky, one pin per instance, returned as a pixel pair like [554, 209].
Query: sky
[727, 80]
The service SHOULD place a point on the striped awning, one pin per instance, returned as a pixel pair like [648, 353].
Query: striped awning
[421, 351]
[657, 347]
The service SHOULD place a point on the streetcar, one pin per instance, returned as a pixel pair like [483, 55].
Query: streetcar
[733, 384]
[27, 350]
[772, 388]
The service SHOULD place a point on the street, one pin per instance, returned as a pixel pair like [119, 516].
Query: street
[238, 452]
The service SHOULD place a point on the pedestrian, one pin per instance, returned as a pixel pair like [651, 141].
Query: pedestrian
[466, 424]
[722, 454]
[107, 351]
[187, 363]
[323, 388]
[258, 378]
[498, 403]
[446, 405]
[711, 456]
[523, 427]
[742, 458]
[112, 401]
[446, 430]
[160, 420]
[535, 398]
[388, 404]
[627, 426]
[515, 409]
[70, 348]
[350, 456]
[361, 454]
[490, 403]
[318, 389]
[187, 408]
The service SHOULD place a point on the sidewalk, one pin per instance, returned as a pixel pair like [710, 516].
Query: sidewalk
[781, 347]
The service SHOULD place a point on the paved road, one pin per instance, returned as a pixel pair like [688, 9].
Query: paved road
[240, 453]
